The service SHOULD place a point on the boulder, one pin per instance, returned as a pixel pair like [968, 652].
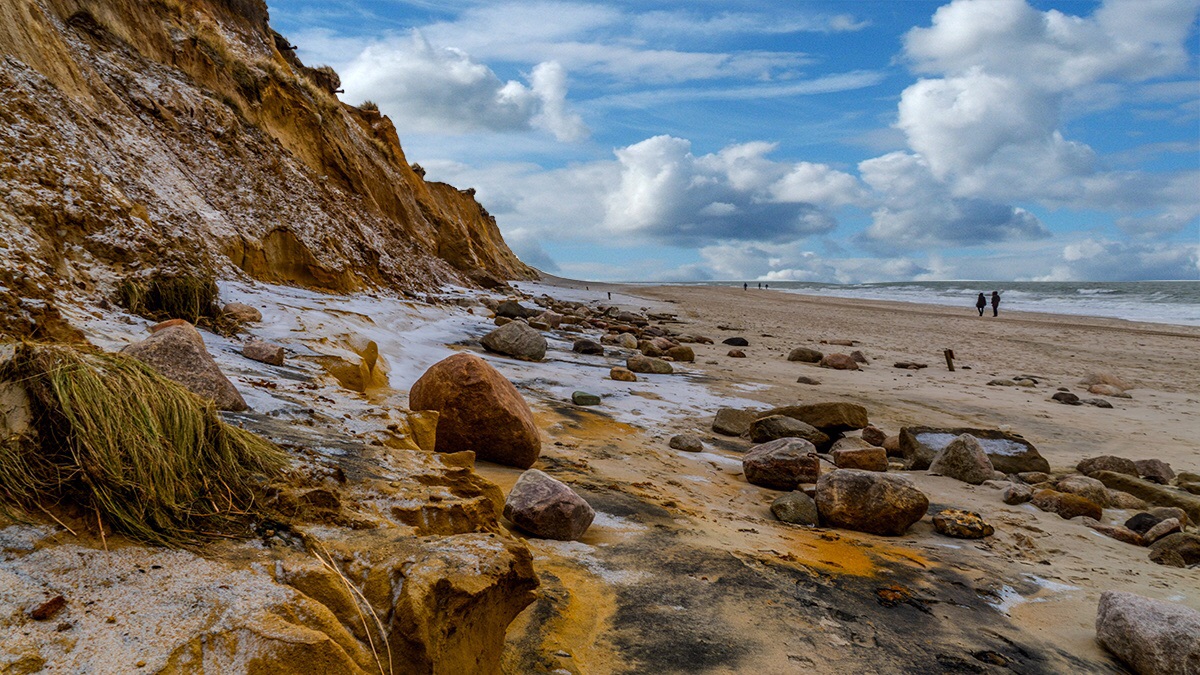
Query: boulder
[1096, 403]
[585, 346]
[1153, 493]
[1067, 505]
[478, 410]
[736, 354]
[517, 340]
[963, 459]
[265, 352]
[682, 353]
[1118, 532]
[874, 435]
[627, 341]
[782, 464]
[796, 508]
[1154, 470]
[961, 524]
[831, 418]
[1067, 398]
[805, 355]
[1108, 463]
[1016, 494]
[549, 318]
[732, 421]
[547, 508]
[622, 374]
[584, 398]
[179, 354]
[1181, 549]
[867, 501]
[866, 459]
[736, 342]
[687, 443]
[646, 364]
[648, 348]
[1034, 477]
[1007, 452]
[1142, 522]
[1151, 637]
[1161, 529]
[510, 309]
[1088, 488]
[242, 313]
[838, 362]
[774, 427]
[1124, 500]
[860, 357]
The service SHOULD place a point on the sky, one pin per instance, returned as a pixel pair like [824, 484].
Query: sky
[833, 141]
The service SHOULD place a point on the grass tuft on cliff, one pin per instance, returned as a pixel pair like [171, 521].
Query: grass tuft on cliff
[117, 439]
[189, 297]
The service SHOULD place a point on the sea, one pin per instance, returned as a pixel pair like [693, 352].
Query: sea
[1167, 302]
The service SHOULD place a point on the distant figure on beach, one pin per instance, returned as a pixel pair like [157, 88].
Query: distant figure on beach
[745, 286]
[995, 303]
[760, 285]
[610, 295]
[980, 303]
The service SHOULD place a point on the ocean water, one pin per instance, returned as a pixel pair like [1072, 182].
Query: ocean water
[1170, 302]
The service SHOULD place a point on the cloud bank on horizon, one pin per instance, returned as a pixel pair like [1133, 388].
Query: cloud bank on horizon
[986, 139]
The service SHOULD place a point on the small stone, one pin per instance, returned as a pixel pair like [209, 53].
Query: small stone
[1000, 382]
[805, 355]
[839, 362]
[866, 459]
[804, 379]
[584, 398]
[1016, 494]
[585, 346]
[1162, 529]
[963, 459]
[1142, 522]
[1034, 477]
[1096, 402]
[687, 443]
[736, 354]
[647, 364]
[48, 609]
[1027, 383]
[961, 524]
[1066, 505]
[241, 313]
[682, 353]
[796, 508]
[736, 342]
[860, 357]
[873, 435]
[622, 374]
[1066, 397]
[264, 352]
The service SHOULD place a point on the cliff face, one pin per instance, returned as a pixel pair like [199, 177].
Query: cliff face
[184, 134]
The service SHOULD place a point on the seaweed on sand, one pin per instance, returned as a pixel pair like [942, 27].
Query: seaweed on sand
[116, 438]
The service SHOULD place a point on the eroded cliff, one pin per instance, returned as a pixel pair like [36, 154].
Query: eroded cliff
[185, 135]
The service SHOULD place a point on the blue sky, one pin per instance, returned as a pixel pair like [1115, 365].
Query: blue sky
[848, 141]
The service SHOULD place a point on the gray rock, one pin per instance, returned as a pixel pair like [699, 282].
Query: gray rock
[511, 309]
[16, 417]
[774, 427]
[547, 508]
[1108, 463]
[584, 398]
[963, 459]
[1000, 382]
[1124, 500]
[1067, 398]
[264, 352]
[732, 421]
[1097, 402]
[782, 464]
[179, 354]
[585, 346]
[517, 340]
[1016, 494]
[1152, 637]
[796, 508]
[1154, 470]
[866, 501]
[1086, 487]
[1181, 549]
[805, 355]
[1162, 529]
[687, 443]
[831, 418]
[804, 379]
[1008, 452]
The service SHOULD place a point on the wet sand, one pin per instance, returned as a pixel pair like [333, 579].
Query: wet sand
[613, 602]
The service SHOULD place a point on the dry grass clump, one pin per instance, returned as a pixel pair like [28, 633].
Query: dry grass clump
[369, 105]
[188, 297]
[147, 456]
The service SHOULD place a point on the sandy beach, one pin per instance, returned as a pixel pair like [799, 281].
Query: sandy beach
[1042, 574]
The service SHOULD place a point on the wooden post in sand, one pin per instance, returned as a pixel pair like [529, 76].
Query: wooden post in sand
[949, 353]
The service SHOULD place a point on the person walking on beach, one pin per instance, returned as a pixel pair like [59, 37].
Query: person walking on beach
[995, 303]
[745, 286]
[980, 303]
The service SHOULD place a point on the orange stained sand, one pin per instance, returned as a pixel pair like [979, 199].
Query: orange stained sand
[848, 553]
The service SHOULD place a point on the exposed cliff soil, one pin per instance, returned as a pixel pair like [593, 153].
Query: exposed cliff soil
[183, 134]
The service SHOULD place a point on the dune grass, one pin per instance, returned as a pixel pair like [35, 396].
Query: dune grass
[188, 297]
[147, 456]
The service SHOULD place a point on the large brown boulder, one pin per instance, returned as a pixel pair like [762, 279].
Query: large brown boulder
[1108, 463]
[867, 459]
[805, 355]
[547, 508]
[866, 501]
[1180, 549]
[732, 421]
[178, 352]
[774, 427]
[963, 459]
[1008, 453]
[517, 340]
[478, 410]
[839, 362]
[1067, 505]
[782, 464]
[1149, 636]
[831, 418]
[1088, 488]
[647, 364]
